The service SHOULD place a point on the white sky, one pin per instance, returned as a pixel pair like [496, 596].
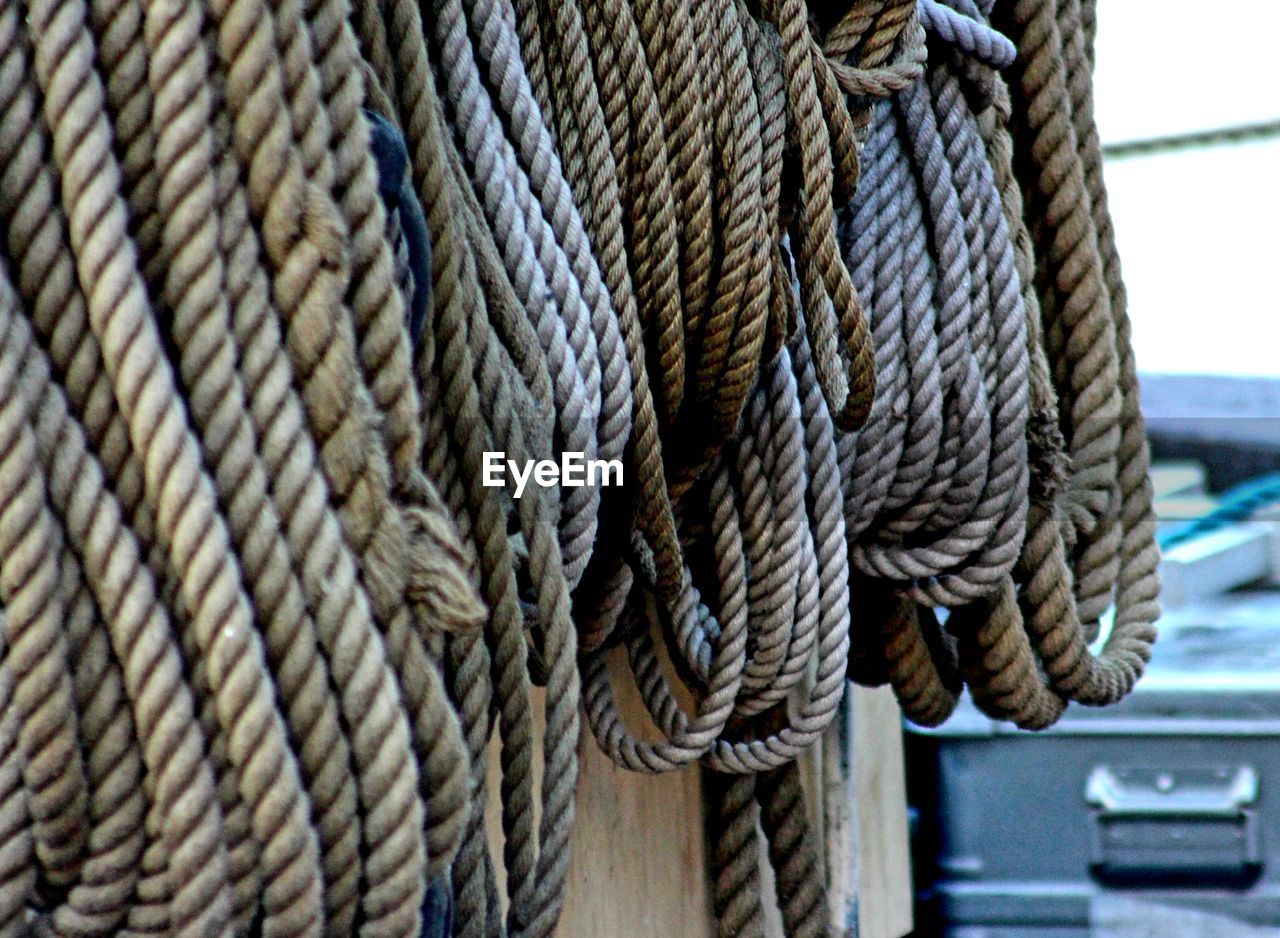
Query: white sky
[1197, 230]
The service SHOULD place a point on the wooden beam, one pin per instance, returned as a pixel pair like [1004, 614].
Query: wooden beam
[884, 899]
[639, 852]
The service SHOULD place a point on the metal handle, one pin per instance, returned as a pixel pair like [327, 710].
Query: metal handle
[1174, 826]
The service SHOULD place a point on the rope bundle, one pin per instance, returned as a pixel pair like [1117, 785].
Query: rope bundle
[277, 274]
[223, 566]
[958, 288]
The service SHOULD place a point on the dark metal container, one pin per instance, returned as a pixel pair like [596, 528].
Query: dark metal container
[1160, 816]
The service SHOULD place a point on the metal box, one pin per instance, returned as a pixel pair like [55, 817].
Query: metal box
[1160, 816]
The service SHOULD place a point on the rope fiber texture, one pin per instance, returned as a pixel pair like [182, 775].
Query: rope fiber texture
[835, 285]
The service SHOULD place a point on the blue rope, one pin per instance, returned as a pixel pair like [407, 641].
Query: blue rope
[1237, 504]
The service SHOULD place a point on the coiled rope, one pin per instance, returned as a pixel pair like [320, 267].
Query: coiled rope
[1020, 639]
[278, 274]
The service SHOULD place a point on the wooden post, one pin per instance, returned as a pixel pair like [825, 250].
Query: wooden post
[884, 901]
[639, 850]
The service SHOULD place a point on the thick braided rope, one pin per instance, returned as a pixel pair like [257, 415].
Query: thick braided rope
[34, 226]
[538, 910]
[470, 682]
[97, 902]
[731, 822]
[874, 239]
[1075, 305]
[477, 371]
[700, 651]
[367, 694]
[986, 509]
[163, 702]
[380, 537]
[822, 276]
[552, 613]
[122, 52]
[44, 267]
[17, 869]
[187, 520]
[982, 354]
[650, 200]
[889, 266]
[1057, 581]
[114, 768]
[195, 289]
[53, 775]
[998, 633]
[550, 290]
[815, 710]
[666, 550]
[125, 467]
[994, 648]
[603, 214]
[321, 349]
[1138, 561]
[196, 251]
[419, 116]
[583, 142]
[800, 886]
[967, 33]
[499, 50]
[672, 43]
[377, 306]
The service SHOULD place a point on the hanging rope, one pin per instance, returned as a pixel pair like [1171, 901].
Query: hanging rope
[165, 314]
[1037, 604]
[278, 274]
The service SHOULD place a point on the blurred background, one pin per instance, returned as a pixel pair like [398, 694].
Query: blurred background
[1160, 816]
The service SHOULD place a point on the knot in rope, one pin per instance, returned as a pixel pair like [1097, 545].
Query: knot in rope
[963, 27]
[845, 41]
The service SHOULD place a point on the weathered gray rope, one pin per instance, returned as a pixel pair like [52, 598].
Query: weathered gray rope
[537, 265]
[997, 634]
[976, 518]
[948, 525]
[961, 28]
